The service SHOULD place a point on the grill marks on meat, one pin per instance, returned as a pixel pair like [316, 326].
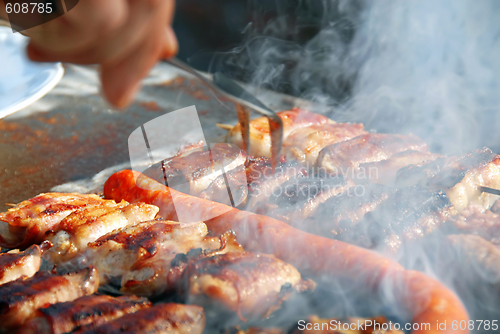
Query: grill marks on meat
[86, 313]
[304, 144]
[20, 299]
[160, 319]
[260, 140]
[249, 284]
[347, 156]
[192, 171]
[27, 222]
[88, 224]
[15, 264]
[140, 256]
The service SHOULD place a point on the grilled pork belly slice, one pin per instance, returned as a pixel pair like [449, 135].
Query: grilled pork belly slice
[304, 144]
[89, 311]
[140, 256]
[385, 171]
[20, 299]
[27, 222]
[192, 171]
[15, 264]
[260, 140]
[88, 224]
[478, 221]
[299, 198]
[409, 213]
[160, 319]
[249, 284]
[460, 176]
[347, 156]
[342, 212]
[378, 325]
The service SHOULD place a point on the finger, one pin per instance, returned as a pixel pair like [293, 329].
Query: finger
[80, 28]
[121, 80]
[170, 44]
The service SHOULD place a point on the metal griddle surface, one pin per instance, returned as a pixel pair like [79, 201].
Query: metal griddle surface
[72, 134]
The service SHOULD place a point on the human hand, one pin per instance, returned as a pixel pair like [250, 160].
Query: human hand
[125, 37]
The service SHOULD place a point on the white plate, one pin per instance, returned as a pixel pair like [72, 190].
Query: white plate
[22, 81]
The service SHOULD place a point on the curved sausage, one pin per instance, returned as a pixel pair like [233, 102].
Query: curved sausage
[426, 300]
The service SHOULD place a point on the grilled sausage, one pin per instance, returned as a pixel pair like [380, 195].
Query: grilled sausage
[424, 298]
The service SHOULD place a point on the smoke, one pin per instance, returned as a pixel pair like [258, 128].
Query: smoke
[431, 68]
[425, 67]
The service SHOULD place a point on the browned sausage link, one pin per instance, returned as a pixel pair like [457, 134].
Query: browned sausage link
[427, 300]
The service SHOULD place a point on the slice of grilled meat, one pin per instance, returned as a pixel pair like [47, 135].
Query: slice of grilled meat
[160, 319]
[408, 213]
[88, 224]
[89, 311]
[20, 299]
[299, 198]
[15, 264]
[478, 221]
[260, 139]
[27, 222]
[192, 171]
[342, 212]
[140, 256]
[249, 284]
[304, 144]
[385, 171]
[347, 156]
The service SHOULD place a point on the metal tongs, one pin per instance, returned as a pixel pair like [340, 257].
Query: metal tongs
[244, 101]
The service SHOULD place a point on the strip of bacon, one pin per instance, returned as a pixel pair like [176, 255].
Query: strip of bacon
[20, 299]
[250, 284]
[15, 264]
[304, 144]
[89, 311]
[160, 319]
[260, 139]
[345, 157]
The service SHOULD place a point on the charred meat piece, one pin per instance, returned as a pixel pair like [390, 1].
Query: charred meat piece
[89, 312]
[15, 264]
[407, 214]
[304, 144]
[344, 211]
[459, 176]
[299, 198]
[88, 224]
[140, 256]
[249, 284]
[385, 171]
[316, 325]
[27, 222]
[253, 330]
[160, 319]
[347, 156]
[260, 140]
[20, 299]
[192, 171]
